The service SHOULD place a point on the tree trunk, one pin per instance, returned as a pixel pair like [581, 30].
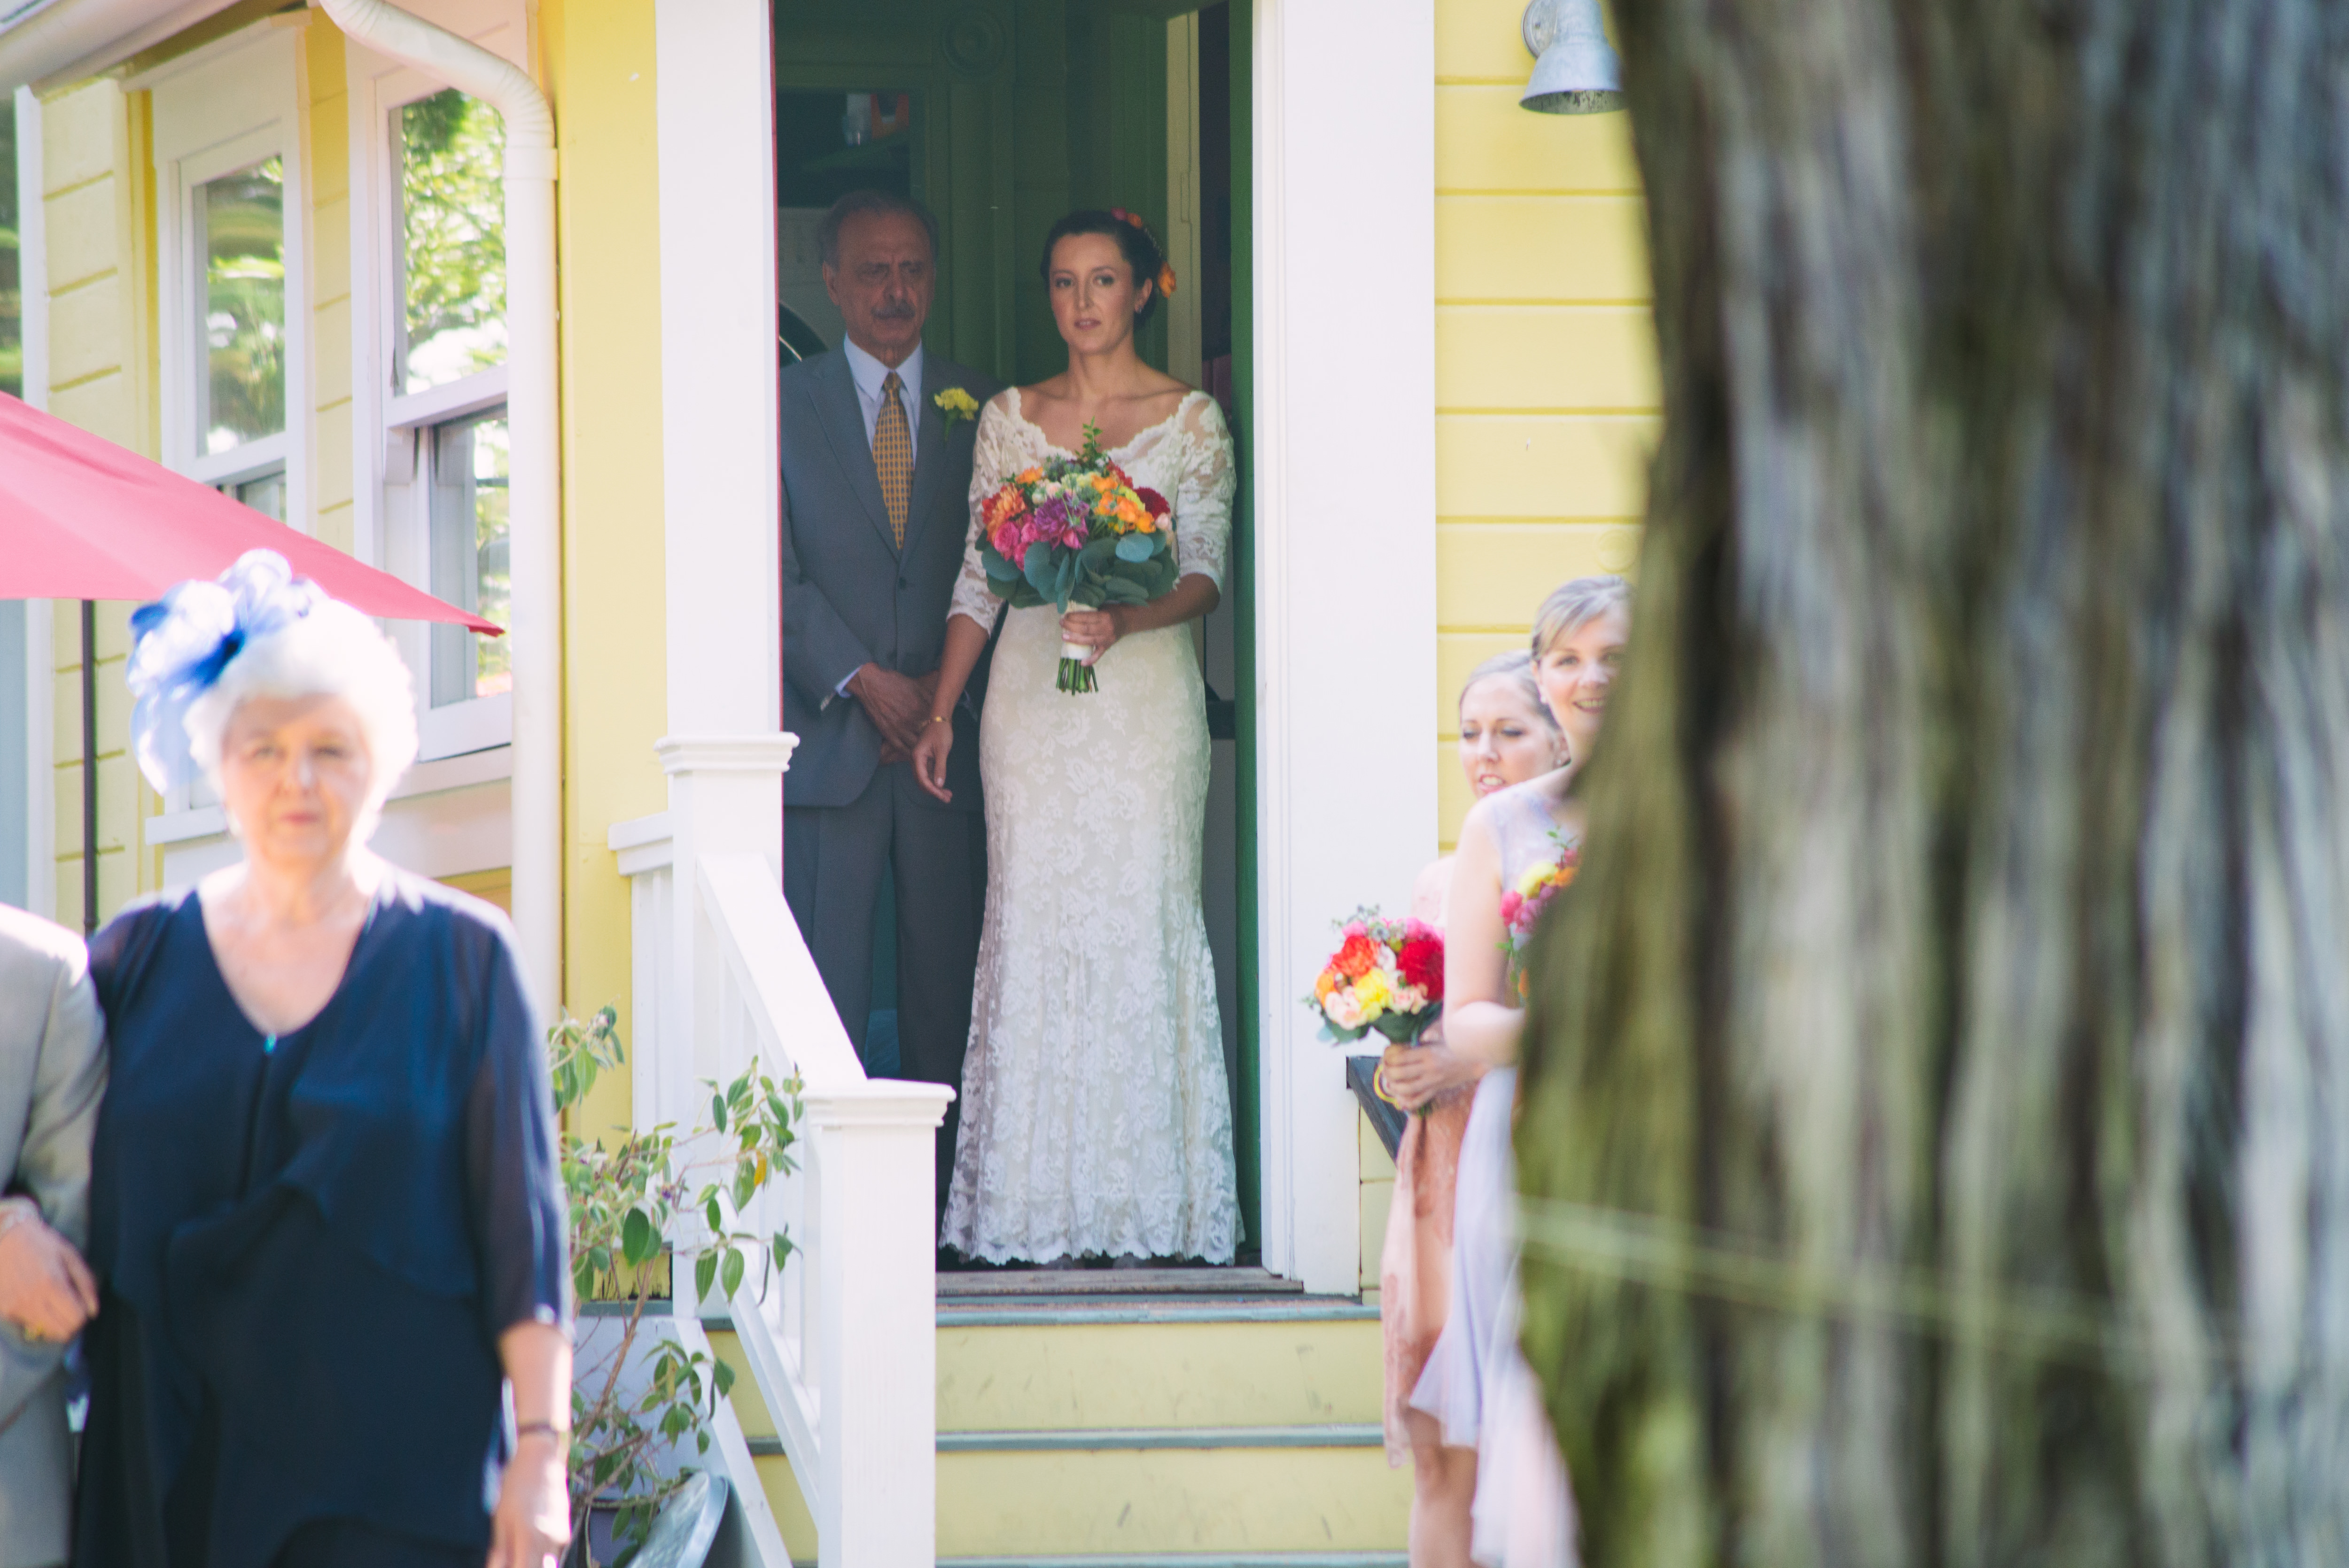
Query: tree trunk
[1935, 1136]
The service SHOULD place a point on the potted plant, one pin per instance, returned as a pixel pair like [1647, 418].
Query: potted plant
[626, 1189]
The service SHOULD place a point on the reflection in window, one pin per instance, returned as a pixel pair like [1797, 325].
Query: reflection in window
[240, 218]
[468, 556]
[453, 244]
[11, 305]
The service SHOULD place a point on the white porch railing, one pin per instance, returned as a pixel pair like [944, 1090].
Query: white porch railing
[843, 1342]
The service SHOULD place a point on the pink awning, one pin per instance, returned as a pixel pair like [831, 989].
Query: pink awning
[81, 518]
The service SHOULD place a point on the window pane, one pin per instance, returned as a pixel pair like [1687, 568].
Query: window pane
[468, 556]
[12, 311]
[265, 495]
[452, 222]
[241, 220]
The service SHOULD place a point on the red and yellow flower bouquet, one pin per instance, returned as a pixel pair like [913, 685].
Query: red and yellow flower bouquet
[1076, 531]
[1387, 974]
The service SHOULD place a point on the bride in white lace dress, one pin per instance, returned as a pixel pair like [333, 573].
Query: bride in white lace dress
[1096, 1119]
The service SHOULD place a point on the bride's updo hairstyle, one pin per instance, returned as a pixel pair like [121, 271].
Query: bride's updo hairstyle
[1574, 606]
[205, 648]
[1136, 243]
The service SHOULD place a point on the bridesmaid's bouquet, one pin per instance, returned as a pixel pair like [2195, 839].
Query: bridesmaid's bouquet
[1387, 974]
[1076, 531]
[1522, 905]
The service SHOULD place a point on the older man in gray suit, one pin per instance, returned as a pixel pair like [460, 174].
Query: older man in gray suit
[52, 1072]
[876, 508]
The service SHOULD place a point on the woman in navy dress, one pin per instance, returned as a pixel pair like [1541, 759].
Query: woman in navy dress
[326, 1212]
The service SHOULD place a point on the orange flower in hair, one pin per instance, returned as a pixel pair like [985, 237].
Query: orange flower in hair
[1166, 278]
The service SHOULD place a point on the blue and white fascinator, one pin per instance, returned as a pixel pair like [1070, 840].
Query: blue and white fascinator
[180, 645]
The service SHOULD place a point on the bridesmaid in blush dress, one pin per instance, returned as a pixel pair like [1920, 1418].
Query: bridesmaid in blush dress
[1477, 1384]
[1506, 737]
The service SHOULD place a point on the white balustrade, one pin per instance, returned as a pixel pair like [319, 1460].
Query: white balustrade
[842, 1340]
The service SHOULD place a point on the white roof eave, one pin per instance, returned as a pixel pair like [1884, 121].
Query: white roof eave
[51, 43]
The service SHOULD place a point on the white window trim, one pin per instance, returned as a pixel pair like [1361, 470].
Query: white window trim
[224, 112]
[222, 109]
[392, 522]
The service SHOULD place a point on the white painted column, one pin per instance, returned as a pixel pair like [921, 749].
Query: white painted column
[1344, 475]
[721, 487]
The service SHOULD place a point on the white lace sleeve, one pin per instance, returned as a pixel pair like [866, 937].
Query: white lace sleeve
[995, 456]
[1202, 498]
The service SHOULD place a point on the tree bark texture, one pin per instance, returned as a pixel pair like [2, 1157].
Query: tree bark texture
[1936, 1123]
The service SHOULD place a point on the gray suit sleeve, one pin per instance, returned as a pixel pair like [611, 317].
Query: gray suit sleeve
[819, 650]
[54, 1163]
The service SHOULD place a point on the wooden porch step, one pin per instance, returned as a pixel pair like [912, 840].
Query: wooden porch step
[1192, 1559]
[1126, 1430]
[1202, 1281]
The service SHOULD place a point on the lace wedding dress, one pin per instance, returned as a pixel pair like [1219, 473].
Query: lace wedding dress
[1095, 1114]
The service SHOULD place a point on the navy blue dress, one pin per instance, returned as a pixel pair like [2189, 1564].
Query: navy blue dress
[309, 1245]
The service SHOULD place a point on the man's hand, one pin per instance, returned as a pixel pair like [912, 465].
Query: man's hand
[45, 1290]
[900, 706]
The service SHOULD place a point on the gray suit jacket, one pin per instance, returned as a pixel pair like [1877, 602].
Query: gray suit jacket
[52, 1073]
[851, 597]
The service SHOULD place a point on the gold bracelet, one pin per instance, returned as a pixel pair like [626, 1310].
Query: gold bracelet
[939, 717]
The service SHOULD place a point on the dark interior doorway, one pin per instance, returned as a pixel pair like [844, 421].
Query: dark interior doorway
[1001, 118]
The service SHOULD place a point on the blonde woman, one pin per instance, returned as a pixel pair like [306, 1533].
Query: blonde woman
[1506, 737]
[1477, 1385]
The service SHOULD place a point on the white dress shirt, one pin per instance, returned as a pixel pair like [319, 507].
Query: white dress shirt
[869, 374]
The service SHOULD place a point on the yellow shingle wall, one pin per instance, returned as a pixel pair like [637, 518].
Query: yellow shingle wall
[98, 204]
[1546, 404]
[599, 71]
[328, 167]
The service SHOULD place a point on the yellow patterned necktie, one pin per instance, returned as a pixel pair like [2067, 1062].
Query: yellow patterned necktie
[893, 456]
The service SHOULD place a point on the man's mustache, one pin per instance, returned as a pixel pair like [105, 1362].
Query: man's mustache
[900, 310]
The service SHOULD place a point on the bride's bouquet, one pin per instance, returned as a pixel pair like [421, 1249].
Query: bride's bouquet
[1387, 974]
[1076, 531]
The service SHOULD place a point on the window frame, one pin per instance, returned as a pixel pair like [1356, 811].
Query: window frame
[393, 528]
[215, 113]
[220, 109]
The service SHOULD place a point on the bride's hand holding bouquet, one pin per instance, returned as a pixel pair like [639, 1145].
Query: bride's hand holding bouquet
[1078, 531]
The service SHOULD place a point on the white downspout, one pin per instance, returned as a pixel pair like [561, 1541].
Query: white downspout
[534, 474]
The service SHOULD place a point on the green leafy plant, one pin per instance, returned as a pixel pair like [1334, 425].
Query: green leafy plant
[625, 1191]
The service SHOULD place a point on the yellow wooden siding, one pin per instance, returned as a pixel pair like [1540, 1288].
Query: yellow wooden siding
[1546, 403]
[97, 206]
[599, 69]
[326, 129]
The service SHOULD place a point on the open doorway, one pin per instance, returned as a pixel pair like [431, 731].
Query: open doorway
[1000, 121]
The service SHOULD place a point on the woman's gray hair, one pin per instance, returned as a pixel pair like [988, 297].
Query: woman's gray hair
[1517, 668]
[1575, 604]
[333, 651]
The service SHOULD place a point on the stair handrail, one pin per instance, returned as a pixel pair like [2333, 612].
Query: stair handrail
[842, 1340]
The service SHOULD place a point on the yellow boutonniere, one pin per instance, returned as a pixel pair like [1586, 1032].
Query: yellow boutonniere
[956, 405]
